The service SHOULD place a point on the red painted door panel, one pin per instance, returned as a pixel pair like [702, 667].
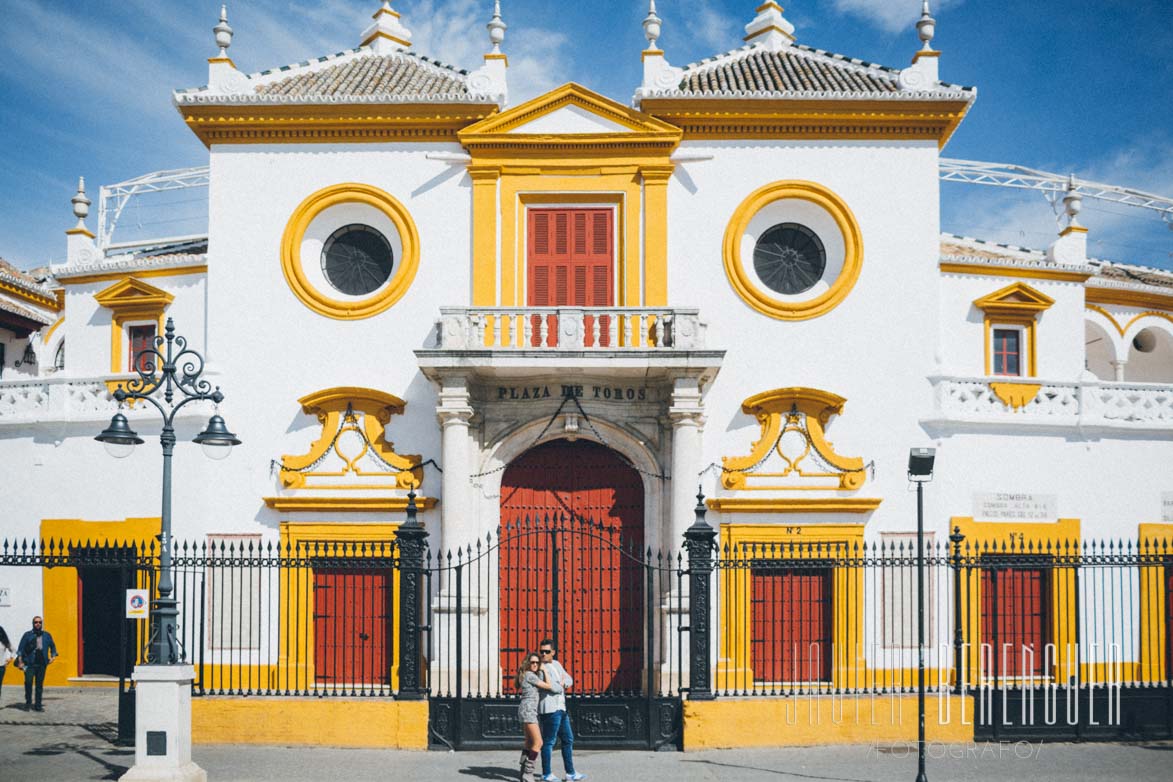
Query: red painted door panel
[572, 572]
[570, 264]
[1016, 615]
[352, 626]
[791, 624]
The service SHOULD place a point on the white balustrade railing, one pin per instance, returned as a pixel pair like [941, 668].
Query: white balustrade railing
[63, 398]
[1136, 405]
[569, 328]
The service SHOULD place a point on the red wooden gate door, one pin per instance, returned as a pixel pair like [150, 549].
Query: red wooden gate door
[1016, 616]
[572, 533]
[791, 624]
[352, 626]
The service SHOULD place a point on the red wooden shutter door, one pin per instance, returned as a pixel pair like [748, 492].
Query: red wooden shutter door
[571, 248]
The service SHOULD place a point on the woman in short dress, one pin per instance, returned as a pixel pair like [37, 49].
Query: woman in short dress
[530, 679]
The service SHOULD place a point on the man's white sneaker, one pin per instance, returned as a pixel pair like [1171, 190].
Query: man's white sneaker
[575, 777]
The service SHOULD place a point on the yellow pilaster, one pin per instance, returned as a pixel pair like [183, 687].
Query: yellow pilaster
[484, 240]
[656, 234]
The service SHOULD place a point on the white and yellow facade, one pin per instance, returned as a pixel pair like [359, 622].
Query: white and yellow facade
[793, 410]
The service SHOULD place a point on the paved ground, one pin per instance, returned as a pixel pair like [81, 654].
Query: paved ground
[72, 740]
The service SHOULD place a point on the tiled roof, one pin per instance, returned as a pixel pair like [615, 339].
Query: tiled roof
[16, 309]
[15, 276]
[1140, 275]
[797, 71]
[393, 74]
[354, 76]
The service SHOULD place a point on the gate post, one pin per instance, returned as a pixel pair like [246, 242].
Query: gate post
[958, 637]
[699, 540]
[412, 539]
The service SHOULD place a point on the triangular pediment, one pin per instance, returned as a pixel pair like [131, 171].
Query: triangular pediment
[574, 112]
[1017, 297]
[130, 292]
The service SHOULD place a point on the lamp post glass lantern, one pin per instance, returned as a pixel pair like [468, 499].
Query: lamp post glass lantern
[174, 375]
[920, 472]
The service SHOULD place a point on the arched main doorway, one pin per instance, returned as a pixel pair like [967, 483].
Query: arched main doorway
[572, 535]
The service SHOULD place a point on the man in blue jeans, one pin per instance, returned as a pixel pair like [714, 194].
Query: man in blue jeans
[552, 715]
[34, 653]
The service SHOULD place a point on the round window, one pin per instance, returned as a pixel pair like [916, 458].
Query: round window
[357, 259]
[789, 258]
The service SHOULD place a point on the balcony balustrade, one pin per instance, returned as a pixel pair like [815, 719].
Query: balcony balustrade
[569, 329]
[1061, 404]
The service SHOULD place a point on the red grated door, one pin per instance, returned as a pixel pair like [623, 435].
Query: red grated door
[570, 262]
[572, 533]
[791, 624]
[141, 338]
[352, 626]
[1016, 616]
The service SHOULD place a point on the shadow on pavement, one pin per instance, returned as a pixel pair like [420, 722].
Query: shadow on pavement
[113, 770]
[791, 774]
[491, 772]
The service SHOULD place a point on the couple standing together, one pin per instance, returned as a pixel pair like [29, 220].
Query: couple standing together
[543, 681]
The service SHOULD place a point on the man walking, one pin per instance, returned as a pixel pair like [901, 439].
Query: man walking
[552, 715]
[34, 653]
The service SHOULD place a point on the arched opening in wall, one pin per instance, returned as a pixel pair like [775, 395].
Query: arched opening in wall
[1099, 351]
[1150, 355]
[572, 532]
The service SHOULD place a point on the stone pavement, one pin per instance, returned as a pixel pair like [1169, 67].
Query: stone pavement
[72, 740]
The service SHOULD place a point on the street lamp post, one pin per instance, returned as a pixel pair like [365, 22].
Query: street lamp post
[920, 472]
[176, 374]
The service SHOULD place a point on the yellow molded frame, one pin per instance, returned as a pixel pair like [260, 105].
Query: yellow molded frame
[761, 301]
[1062, 536]
[1018, 304]
[828, 541]
[1155, 546]
[775, 412]
[131, 300]
[330, 406]
[59, 585]
[315, 204]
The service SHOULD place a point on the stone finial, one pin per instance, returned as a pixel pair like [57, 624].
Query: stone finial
[652, 27]
[79, 242]
[1072, 203]
[926, 27]
[386, 34]
[1071, 246]
[81, 204]
[223, 33]
[496, 28]
[769, 28]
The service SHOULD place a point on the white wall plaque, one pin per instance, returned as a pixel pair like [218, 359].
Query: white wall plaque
[1166, 507]
[1014, 506]
[5, 597]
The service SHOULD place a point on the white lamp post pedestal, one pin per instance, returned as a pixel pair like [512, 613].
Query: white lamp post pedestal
[162, 733]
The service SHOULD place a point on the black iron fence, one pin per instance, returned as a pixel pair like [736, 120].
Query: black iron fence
[1036, 633]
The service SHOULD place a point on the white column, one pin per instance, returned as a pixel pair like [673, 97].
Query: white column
[687, 416]
[1118, 368]
[457, 517]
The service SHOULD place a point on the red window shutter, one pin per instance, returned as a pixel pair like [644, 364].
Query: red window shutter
[140, 338]
[574, 246]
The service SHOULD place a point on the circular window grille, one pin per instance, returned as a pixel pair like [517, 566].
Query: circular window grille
[789, 258]
[357, 259]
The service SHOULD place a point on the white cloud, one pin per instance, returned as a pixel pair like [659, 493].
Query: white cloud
[890, 15]
[707, 25]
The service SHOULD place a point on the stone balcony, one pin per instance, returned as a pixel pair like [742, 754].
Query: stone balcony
[614, 340]
[1035, 403]
[61, 398]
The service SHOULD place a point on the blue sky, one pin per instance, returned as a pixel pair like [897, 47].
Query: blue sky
[1064, 86]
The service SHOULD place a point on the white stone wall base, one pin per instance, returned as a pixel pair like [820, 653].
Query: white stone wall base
[188, 772]
[163, 703]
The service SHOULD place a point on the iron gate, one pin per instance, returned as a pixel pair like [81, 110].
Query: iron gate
[608, 605]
